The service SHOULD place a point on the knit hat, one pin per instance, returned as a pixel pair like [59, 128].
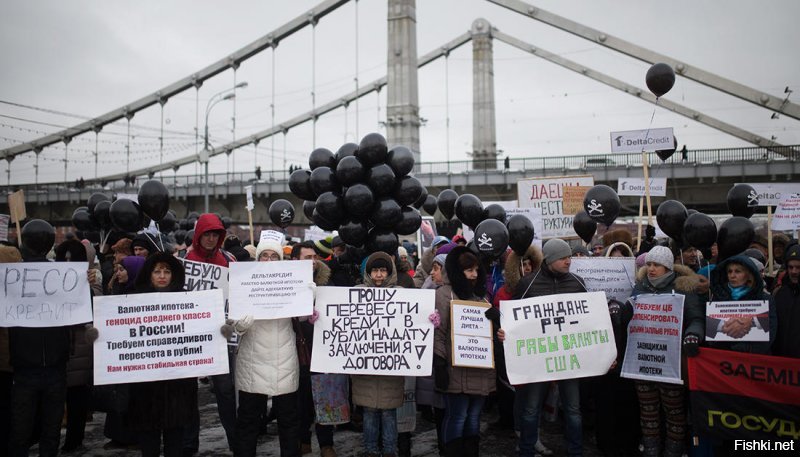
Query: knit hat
[143, 241]
[337, 241]
[440, 240]
[379, 263]
[755, 254]
[554, 249]
[661, 255]
[251, 250]
[323, 247]
[440, 259]
[641, 260]
[446, 248]
[401, 251]
[793, 253]
[269, 245]
[579, 249]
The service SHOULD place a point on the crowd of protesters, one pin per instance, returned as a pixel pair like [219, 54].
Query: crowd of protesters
[46, 373]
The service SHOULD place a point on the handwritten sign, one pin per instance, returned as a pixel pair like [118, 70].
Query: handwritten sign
[654, 339]
[787, 215]
[271, 290]
[547, 194]
[573, 199]
[44, 294]
[613, 275]
[380, 331]
[556, 337]
[737, 320]
[205, 276]
[157, 336]
[472, 334]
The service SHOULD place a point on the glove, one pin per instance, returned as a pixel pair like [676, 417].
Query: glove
[441, 376]
[435, 318]
[614, 307]
[691, 345]
[92, 334]
[493, 314]
[243, 324]
[227, 329]
[314, 316]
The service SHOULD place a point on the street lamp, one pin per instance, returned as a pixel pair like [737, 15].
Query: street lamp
[205, 154]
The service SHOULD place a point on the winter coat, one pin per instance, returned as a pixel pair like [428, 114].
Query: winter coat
[5, 359]
[684, 282]
[371, 391]
[171, 403]
[787, 307]
[720, 292]
[512, 272]
[209, 223]
[424, 267]
[544, 282]
[463, 380]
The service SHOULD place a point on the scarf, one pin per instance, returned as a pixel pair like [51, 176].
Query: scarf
[738, 292]
[661, 281]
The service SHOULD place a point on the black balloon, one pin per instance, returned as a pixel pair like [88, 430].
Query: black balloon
[742, 200]
[82, 221]
[372, 150]
[422, 197]
[601, 203]
[299, 184]
[126, 215]
[281, 213]
[323, 223]
[699, 231]
[520, 233]
[447, 202]
[660, 78]
[321, 157]
[323, 180]
[101, 217]
[491, 238]
[353, 232]
[349, 171]
[308, 208]
[359, 200]
[408, 190]
[383, 240]
[94, 199]
[386, 213]
[167, 224]
[330, 207]
[469, 210]
[410, 221]
[346, 150]
[430, 205]
[665, 154]
[81, 208]
[381, 179]
[671, 216]
[734, 236]
[584, 226]
[154, 199]
[38, 237]
[401, 159]
[495, 211]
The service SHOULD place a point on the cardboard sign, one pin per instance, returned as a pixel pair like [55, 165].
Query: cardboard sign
[787, 215]
[273, 236]
[271, 290]
[646, 140]
[205, 276]
[373, 330]
[635, 187]
[547, 194]
[615, 276]
[771, 194]
[16, 206]
[737, 320]
[471, 334]
[4, 218]
[157, 336]
[44, 294]
[556, 337]
[573, 199]
[654, 339]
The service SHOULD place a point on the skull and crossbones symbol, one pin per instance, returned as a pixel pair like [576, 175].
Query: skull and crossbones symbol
[286, 215]
[595, 208]
[484, 242]
[752, 198]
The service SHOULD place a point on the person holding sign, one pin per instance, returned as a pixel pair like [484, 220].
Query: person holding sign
[465, 389]
[267, 366]
[661, 276]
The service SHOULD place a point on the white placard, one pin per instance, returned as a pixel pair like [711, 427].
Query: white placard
[787, 215]
[556, 337]
[4, 218]
[271, 290]
[737, 320]
[315, 233]
[770, 194]
[615, 276]
[157, 336]
[44, 294]
[205, 276]
[367, 330]
[472, 334]
[250, 206]
[547, 194]
[653, 352]
[273, 236]
[647, 140]
[635, 187]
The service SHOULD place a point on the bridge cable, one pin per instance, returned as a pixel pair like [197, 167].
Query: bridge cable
[272, 106]
[447, 102]
[356, 78]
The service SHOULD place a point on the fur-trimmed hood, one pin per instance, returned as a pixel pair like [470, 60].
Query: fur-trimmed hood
[322, 273]
[686, 280]
[391, 280]
[512, 272]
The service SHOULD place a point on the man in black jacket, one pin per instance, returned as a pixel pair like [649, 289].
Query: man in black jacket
[553, 277]
[787, 305]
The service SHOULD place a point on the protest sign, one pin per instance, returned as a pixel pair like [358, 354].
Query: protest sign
[4, 218]
[407, 414]
[787, 215]
[315, 233]
[16, 206]
[737, 395]
[573, 199]
[737, 320]
[654, 339]
[635, 187]
[368, 330]
[547, 194]
[271, 290]
[771, 194]
[157, 336]
[615, 276]
[556, 337]
[471, 334]
[272, 236]
[205, 276]
[250, 205]
[45, 294]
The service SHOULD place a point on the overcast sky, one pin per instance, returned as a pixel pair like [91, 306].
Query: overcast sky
[85, 58]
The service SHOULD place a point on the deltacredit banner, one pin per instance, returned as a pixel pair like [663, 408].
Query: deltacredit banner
[647, 140]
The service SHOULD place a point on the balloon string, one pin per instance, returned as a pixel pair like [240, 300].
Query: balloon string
[160, 240]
